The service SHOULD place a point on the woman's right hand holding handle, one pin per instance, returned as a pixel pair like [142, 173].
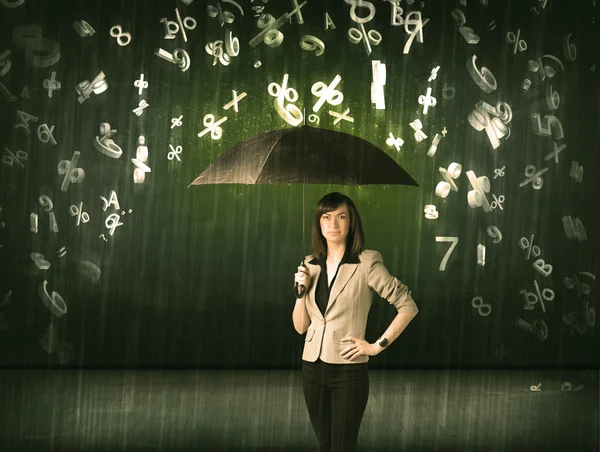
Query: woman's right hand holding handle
[302, 277]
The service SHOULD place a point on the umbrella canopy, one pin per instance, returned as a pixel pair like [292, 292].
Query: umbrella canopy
[305, 155]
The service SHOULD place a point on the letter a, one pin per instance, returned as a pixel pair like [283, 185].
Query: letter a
[329, 22]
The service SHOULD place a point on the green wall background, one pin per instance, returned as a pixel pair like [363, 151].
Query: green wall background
[203, 276]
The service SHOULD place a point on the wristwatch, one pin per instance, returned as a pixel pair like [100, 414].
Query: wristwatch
[383, 342]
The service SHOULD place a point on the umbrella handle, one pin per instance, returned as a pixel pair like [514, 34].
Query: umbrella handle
[302, 290]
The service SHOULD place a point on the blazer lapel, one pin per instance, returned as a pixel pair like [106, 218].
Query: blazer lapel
[315, 271]
[344, 274]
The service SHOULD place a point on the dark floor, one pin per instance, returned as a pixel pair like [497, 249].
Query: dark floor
[258, 410]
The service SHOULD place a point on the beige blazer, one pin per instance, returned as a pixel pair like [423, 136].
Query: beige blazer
[349, 303]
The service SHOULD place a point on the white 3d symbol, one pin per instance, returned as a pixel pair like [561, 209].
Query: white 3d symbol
[327, 93]
[139, 174]
[379, 79]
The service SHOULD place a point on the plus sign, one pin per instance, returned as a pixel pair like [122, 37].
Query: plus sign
[444, 132]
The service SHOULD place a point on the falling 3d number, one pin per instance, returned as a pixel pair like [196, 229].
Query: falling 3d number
[116, 31]
[179, 57]
[431, 212]
[484, 78]
[454, 242]
[55, 303]
[311, 43]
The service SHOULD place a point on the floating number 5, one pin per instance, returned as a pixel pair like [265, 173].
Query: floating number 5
[551, 120]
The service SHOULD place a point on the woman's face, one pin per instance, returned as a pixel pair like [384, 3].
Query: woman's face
[335, 225]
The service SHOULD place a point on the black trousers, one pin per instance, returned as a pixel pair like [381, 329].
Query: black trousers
[336, 397]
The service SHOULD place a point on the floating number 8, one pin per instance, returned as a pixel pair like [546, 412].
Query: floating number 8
[481, 305]
[118, 34]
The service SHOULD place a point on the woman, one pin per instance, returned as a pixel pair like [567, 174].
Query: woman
[341, 278]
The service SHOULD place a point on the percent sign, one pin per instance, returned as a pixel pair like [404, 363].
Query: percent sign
[496, 127]
[497, 202]
[394, 141]
[172, 27]
[18, 157]
[52, 84]
[112, 222]
[215, 49]
[544, 71]
[443, 188]
[290, 113]
[327, 93]
[533, 177]
[481, 186]
[417, 125]
[213, 127]
[223, 16]
[270, 34]
[519, 43]
[176, 122]
[582, 288]
[79, 213]
[531, 298]
[524, 243]
[174, 154]
[105, 144]
[356, 35]
[141, 84]
[70, 170]
[141, 154]
[427, 101]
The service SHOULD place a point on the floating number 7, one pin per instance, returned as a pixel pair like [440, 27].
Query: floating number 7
[454, 241]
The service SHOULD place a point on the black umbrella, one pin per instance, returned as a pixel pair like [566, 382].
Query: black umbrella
[304, 155]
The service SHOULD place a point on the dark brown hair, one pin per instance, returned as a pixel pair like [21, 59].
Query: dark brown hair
[355, 241]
